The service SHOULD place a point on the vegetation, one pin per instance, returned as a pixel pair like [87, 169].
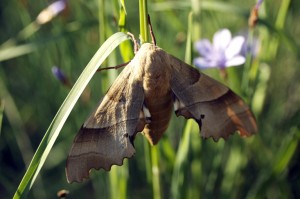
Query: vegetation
[35, 118]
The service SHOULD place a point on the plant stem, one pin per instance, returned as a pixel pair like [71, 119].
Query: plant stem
[143, 11]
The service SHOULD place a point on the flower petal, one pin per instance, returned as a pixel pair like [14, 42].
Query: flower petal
[238, 60]
[204, 47]
[57, 6]
[204, 63]
[234, 47]
[51, 11]
[221, 39]
[258, 4]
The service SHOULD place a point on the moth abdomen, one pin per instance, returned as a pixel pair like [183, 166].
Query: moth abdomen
[160, 109]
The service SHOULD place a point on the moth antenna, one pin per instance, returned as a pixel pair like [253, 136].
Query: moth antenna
[136, 46]
[151, 31]
[113, 67]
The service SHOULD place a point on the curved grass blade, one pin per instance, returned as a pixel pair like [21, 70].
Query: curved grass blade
[1, 113]
[53, 131]
[16, 51]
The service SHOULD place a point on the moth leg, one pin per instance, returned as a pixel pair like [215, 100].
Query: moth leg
[181, 110]
[144, 118]
[136, 46]
[147, 114]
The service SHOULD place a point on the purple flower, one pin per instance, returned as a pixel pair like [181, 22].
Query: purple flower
[51, 11]
[258, 4]
[59, 74]
[223, 52]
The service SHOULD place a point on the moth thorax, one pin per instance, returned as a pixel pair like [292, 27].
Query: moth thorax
[157, 83]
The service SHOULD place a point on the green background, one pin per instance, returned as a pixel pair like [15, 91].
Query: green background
[182, 165]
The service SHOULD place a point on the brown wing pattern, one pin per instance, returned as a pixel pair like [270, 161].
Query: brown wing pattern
[106, 137]
[218, 111]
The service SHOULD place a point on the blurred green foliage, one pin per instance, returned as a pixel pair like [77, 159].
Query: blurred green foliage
[182, 165]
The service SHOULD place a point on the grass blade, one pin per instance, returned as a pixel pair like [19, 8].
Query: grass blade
[1, 113]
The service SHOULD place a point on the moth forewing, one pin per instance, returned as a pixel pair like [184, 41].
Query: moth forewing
[106, 137]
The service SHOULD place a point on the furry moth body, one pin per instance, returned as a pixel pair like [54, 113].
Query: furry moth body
[142, 98]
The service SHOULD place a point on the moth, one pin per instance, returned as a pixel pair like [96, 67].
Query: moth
[142, 99]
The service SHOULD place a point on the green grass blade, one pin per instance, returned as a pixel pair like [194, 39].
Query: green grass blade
[181, 161]
[143, 12]
[53, 131]
[1, 113]
[286, 151]
[155, 173]
[126, 49]
[16, 51]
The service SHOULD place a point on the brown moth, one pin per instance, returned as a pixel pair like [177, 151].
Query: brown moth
[142, 98]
